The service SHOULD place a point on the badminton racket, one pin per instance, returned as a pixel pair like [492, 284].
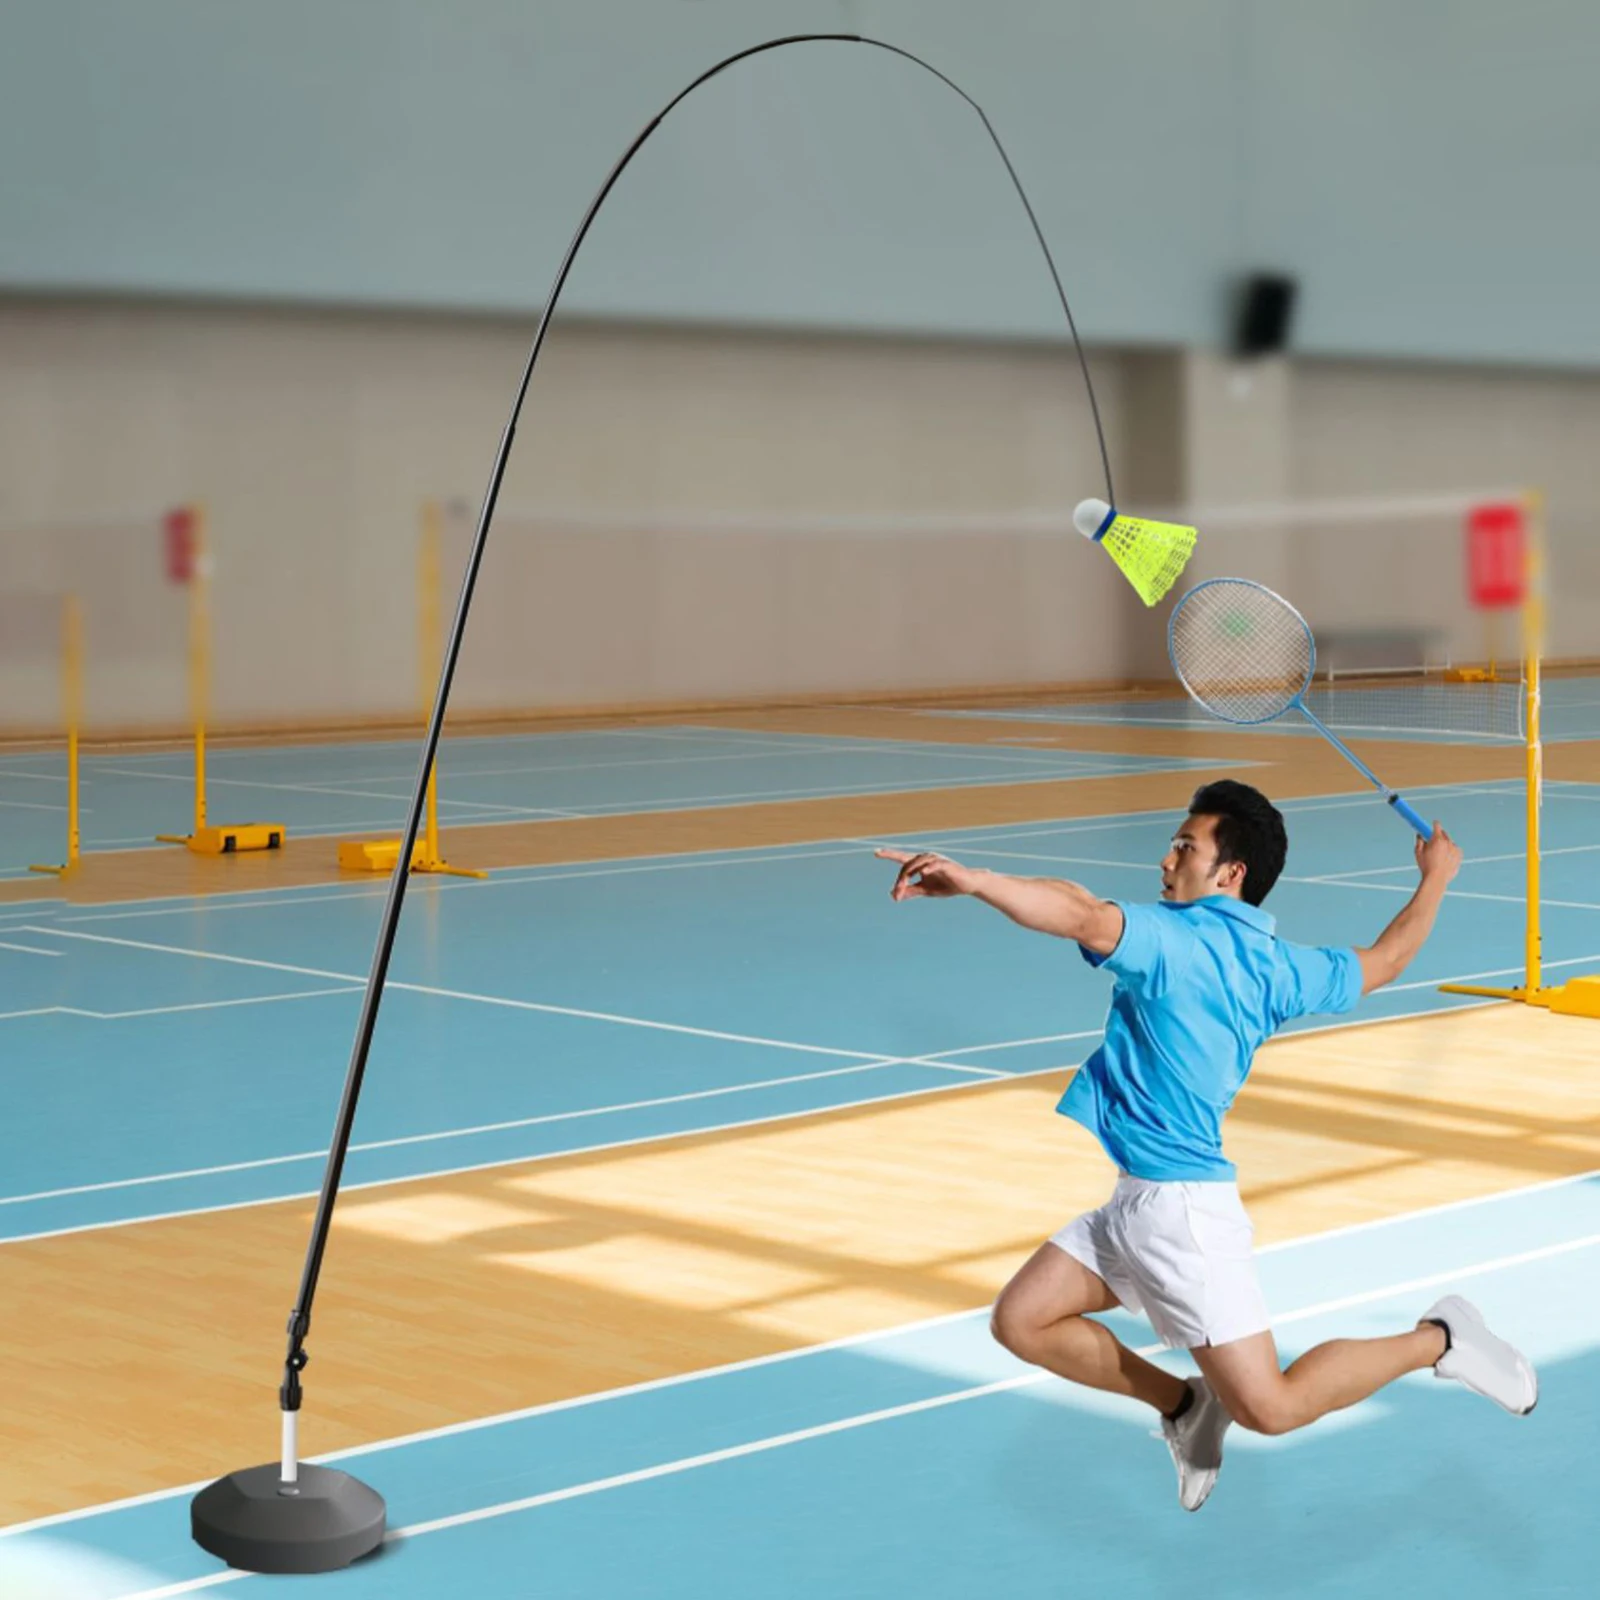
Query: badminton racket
[1247, 656]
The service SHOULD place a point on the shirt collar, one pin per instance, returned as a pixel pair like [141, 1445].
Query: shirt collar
[1227, 906]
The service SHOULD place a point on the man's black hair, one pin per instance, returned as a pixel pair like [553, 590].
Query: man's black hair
[1249, 829]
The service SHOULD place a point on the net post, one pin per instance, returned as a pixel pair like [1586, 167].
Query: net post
[357, 855]
[72, 663]
[72, 676]
[190, 525]
[1533, 651]
[199, 654]
[429, 647]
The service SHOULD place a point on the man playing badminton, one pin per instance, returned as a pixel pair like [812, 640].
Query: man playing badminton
[1202, 981]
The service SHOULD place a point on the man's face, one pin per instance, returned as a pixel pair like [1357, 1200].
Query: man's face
[1189, 870]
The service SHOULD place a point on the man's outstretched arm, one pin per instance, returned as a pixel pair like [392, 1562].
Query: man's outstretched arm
[1438, 860]
[1046, 905]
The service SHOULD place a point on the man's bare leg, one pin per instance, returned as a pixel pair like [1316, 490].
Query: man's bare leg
[1040, 1317]
[1258, 1395]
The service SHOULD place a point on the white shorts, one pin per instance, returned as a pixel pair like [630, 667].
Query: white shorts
[1181, 1254]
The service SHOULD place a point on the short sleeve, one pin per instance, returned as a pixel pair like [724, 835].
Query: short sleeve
[1323, 981]
[1154, 951]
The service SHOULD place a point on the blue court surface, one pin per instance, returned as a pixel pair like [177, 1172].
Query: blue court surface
[184, 1055]
[1570, 712]
[595, 1004]
[128, 799]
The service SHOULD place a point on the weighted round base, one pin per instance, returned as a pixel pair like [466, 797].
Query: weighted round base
[245, 1519]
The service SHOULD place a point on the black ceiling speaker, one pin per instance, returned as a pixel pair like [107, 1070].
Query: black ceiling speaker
[1265, 310]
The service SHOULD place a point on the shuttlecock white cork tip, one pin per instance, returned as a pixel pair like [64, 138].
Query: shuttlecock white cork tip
[1089, 517]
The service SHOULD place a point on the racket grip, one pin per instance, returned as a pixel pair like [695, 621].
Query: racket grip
[1424, 830]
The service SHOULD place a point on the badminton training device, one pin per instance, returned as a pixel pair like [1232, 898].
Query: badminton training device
[1247, 656]
[1151, 555]
[292, 1516]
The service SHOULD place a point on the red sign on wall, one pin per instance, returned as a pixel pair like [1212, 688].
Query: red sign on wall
[179, 527]
[1496, 556]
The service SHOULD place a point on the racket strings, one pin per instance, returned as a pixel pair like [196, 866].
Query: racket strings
[1242, 652]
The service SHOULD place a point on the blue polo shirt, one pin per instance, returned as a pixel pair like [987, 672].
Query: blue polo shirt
[1199, 988]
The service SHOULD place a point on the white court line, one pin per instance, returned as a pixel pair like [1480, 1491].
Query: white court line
[197, 1005]
[246, 783]
[820, 747]
[512, 877]
[1067, 861]
[1451, 894]
[1342, 879]
[507, 1127]
[1469, 861]
[779, 1441]
[1337, 800]
[505, 816]
[1338, 878]
[741, 1124]
[461, 994]
[1452, 736]
[467, 815]
[796, 1353]
[28, 949]
[949, 1066]
[1474, 977]
[861, 790]
[37, 805]
[241, 748]
[936, 1061]
[679, 733]
[1086, 721]
[538, 1156]
[341, 793]
[869, 748]
[799, 743]
[1009, 1044]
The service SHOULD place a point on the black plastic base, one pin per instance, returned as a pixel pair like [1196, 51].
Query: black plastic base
[245, 1519]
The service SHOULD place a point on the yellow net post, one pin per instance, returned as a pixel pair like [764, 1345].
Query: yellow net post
[428, 647]
[356, 855]
[1533, 653]
[1490, 671]
[72, 709]
[189, 561]
[199, 660]
[1578, 996]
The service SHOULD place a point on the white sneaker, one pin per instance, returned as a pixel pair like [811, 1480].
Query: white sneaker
[1195, 1441]
[1486, 1364]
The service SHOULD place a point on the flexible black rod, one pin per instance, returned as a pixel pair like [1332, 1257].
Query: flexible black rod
[300, 1317]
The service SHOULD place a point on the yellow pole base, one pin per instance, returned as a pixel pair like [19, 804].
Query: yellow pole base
[1488, 994]
[1577, 997]
[374, 855]
[227, 841]
[380, 855]
[59, 872]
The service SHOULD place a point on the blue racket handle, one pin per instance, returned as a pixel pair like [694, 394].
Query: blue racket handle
[1424, 830]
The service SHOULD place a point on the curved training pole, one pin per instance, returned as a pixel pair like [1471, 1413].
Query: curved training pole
[311, 1519]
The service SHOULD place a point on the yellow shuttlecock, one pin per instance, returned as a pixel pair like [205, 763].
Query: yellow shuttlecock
[1150, 554]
